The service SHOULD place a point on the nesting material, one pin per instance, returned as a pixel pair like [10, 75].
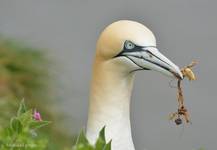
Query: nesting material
[182, 112]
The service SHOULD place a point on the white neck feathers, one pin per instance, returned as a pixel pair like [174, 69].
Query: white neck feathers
[110, 105]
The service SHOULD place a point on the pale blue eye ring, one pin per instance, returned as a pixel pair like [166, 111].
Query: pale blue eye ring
[129, 45]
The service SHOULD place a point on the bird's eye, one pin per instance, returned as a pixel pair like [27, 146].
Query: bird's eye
[129, 45]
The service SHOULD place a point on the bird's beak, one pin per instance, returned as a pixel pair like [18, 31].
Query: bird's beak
[150, 58]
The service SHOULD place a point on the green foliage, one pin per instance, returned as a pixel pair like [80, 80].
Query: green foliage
[25, 73]
[22, 108]
[83, 144]
[21, 133]
[16, 125]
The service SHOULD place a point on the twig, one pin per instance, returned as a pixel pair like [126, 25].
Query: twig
[182, 111]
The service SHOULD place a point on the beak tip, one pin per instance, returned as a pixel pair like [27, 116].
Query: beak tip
[179, 74]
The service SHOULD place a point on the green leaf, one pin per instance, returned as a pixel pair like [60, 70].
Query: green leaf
[22, 108]
[16, 125]
[82, 139]
[83, 147]
[8, 131]
[1, 143]
[101, 142]
[38, 124]
[108, 146]
[102, 134]
[26, 118]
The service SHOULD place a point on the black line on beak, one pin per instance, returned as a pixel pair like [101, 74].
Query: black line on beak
[149, 62]
[143, 68]
[157, 57]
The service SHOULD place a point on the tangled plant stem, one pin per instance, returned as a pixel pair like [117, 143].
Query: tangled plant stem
[182, 112]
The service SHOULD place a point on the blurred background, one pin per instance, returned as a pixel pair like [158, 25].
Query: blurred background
[46, 53]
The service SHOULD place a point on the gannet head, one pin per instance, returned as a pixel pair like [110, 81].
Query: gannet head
[131, 46]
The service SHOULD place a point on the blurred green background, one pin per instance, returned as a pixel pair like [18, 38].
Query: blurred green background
[25, 74]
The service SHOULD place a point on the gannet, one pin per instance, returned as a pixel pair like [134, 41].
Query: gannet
[123, 48]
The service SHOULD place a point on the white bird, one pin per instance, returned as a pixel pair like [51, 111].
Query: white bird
[122, 48]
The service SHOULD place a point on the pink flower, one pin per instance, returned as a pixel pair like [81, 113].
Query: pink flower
[37, 116]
